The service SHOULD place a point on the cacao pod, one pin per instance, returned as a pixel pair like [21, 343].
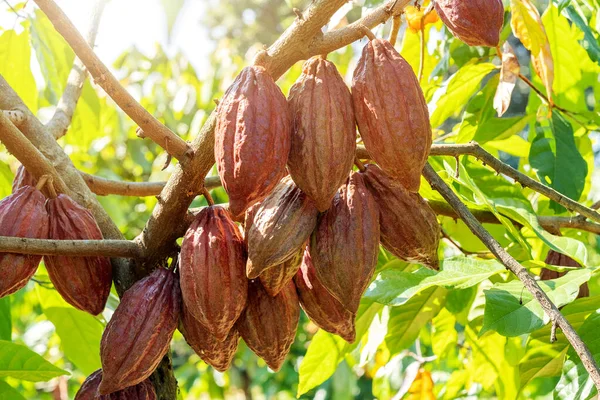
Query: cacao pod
[23, 178]
[84, 282]
[217, 353]
[212, 266]
[139, 333]
[391, 113]
[252, 138]
[323, 131]
[321, 307]
[562, 260]
[345, 245]
[281, 226]
[274, 279]
[268, 324]
[22, 214]
[89, 390]
[409, 227]
[475, 22]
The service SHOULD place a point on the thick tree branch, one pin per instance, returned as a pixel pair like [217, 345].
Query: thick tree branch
[76, 248]
[294, 45]
[151, 127]
[513, 265]
[65, 108]
[34, 161]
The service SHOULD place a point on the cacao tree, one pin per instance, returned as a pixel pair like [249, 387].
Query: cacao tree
[372, 199]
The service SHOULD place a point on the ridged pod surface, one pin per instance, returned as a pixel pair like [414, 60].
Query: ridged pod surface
[562, 260]
[139, 333]
[321, 307]
[23, 178]
[89, 390]
[281, 225]
[22, 214]
[84, 282]
[409, 227]
[212, 266]
[274, 279]
[323, 131]
[268, 325]
[475, 22]
[391, 113]
[345, 245]
[252, 138]
[218, 354]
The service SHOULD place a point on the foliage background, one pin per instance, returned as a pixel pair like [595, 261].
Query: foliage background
[467, 323]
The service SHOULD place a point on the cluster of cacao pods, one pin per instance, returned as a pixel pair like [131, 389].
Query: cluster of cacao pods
[84, 282]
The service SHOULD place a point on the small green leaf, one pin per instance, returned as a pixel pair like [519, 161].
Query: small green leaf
[17, 361]
[5, 319]
[7, 392]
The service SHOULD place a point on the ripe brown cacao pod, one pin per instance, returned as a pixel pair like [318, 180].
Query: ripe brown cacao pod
[89, 390]
[323, 131]
[84, 282]
[475, 22]
[212, 266]
[562, 260]
[320, 306]
[345, 244]
[274, 279]
[391, 113]
[218, 354]
[22, 214]
[268, 324]
[23, 178]
[252, 138]
[409, 227]
[280, 227]
[139, 333]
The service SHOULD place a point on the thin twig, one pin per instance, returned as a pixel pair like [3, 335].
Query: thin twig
[461, 249]
[396, 23]
[155, 130]
[79, 248]
[513, 265]
[421, 50]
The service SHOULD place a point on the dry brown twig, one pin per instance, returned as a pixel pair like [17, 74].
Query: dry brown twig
[43, 247]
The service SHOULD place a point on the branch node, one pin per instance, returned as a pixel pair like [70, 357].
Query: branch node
[553, 331]
[367, 32]
[299, 15]
[17, 117]
[139, 132]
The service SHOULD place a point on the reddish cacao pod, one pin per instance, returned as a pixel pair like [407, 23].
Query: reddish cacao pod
[475, 22]
[276, 278]
[139, 333]
[252, 138]
[391, 113]
[320, 306]
[280, 227]
[323, 131]
[84, 282]
[268, 324]
[22, 214]
[218, 354]
[212, 266]
[89, 390]
[23, 178]
[562, 260]
[409, 227]
[345, 245]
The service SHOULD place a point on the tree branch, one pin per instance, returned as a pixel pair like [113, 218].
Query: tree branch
[151, 127]
[513, 265]
[76, 248]
[65, 108]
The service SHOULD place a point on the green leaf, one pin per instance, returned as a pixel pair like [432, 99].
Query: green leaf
[575, 382]
[17, 361]
[7, 392]
[406, 321]
[545, 359]
[589, 42]
[15, 54]
[444, 335]
[326, 350]
[511, 310]
[5, 319]
[458, 90]
[395, 288]
[80, 335]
